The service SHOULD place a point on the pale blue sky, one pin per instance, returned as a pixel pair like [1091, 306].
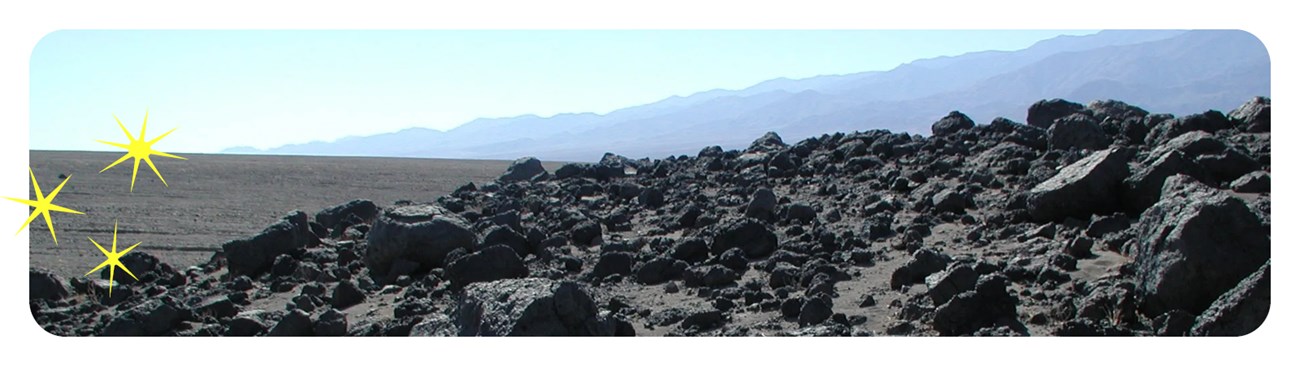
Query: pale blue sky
[269, 88]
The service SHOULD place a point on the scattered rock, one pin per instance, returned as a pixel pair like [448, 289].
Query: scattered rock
[529, 307]
[422, 234]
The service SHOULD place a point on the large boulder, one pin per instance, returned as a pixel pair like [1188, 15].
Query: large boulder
[1240, 310]
[523, 169]
[748, 234]
[529, 307]
[333, 216]
[988, 305]
[1044, 112]
[1209, 121]
[1077, 131]
[1091, 185]
[1142, 189]
[251, 256]
[490, 264]
[422, 234]
[45, 285]
[151, 318]
[952, 123]
[1254, 115]
[1194, 244]
[148, 269]
[769, 142]
[762, 205]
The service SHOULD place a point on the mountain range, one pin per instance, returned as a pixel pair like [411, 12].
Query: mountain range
[1165, 71]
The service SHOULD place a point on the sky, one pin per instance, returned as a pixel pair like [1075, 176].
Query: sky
[222, 89]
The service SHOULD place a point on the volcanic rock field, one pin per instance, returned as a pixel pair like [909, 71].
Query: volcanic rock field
[1087, 219]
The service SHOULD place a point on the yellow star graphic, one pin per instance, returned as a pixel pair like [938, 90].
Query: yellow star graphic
[113, 260]
[43, 204]
[140, 150]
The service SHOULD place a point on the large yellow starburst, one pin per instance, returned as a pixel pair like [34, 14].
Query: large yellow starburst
[43, 204]
[140, 149]
[114, 260]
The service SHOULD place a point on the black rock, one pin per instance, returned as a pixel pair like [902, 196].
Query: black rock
[331, 323]
[504, 235]
[523, 169]
[955, 280]
[1238, 311]
[1077, 131]
[952, 200]
[692, 250]
[762, 205]
[815, 310]
[1194, 245]
[734, 259]
[1142, 189]
[1254, 115]
[1044, 112]
[44, 285]
[490, 264]
[987, 305]
[346, 294]
[702, 320]
[423, 234]
[610, 263]
[294, 324]
[660, 270]
[1255, 182]
[152, 318]
[585, 233]
[747, 234]
[529, 307]
[1209, 121]
[1091, 185]
[923, 263]
[244, 326]
[331, 217]
[952, 123]
[709, 276]
[801, 213]
[651, 197]
[255, 255]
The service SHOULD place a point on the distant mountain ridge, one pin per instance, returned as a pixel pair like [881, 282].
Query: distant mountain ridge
[1161, 71]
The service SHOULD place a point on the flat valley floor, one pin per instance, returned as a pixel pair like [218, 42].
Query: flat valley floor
[211, 199]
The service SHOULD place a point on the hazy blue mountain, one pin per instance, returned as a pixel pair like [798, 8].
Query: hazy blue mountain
[1162, 71]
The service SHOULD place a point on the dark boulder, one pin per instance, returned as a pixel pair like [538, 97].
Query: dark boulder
[952, 123]
[762, 205]
[422, 234]
[1091, 185]
[585, 233]
[1044, 112]
[713, 275]
[660, 270]
[44, 285]
[769, 142]
[801, 213]
[252, 256]
[1254, 115]
[1195, 244]
[690, 250]
[504, 235]
[346, 294]
[523, 169]
[490, 264]
[748, 234]
[1142, 189]
[151, 318]
[529, 307]
[1209, 121]
[1077, 131]
[1255, 182]
[611, 263]
[573, 170]
[924, 262]
[1239, 311]
[333, 216]
[331, 323]
[989, 304]
[296, 323]
[952, 200]
[955, 280]
[815, 310]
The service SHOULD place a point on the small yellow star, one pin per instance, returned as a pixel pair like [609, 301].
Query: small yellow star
[140, 150]
[113, 260]
[43, 204]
